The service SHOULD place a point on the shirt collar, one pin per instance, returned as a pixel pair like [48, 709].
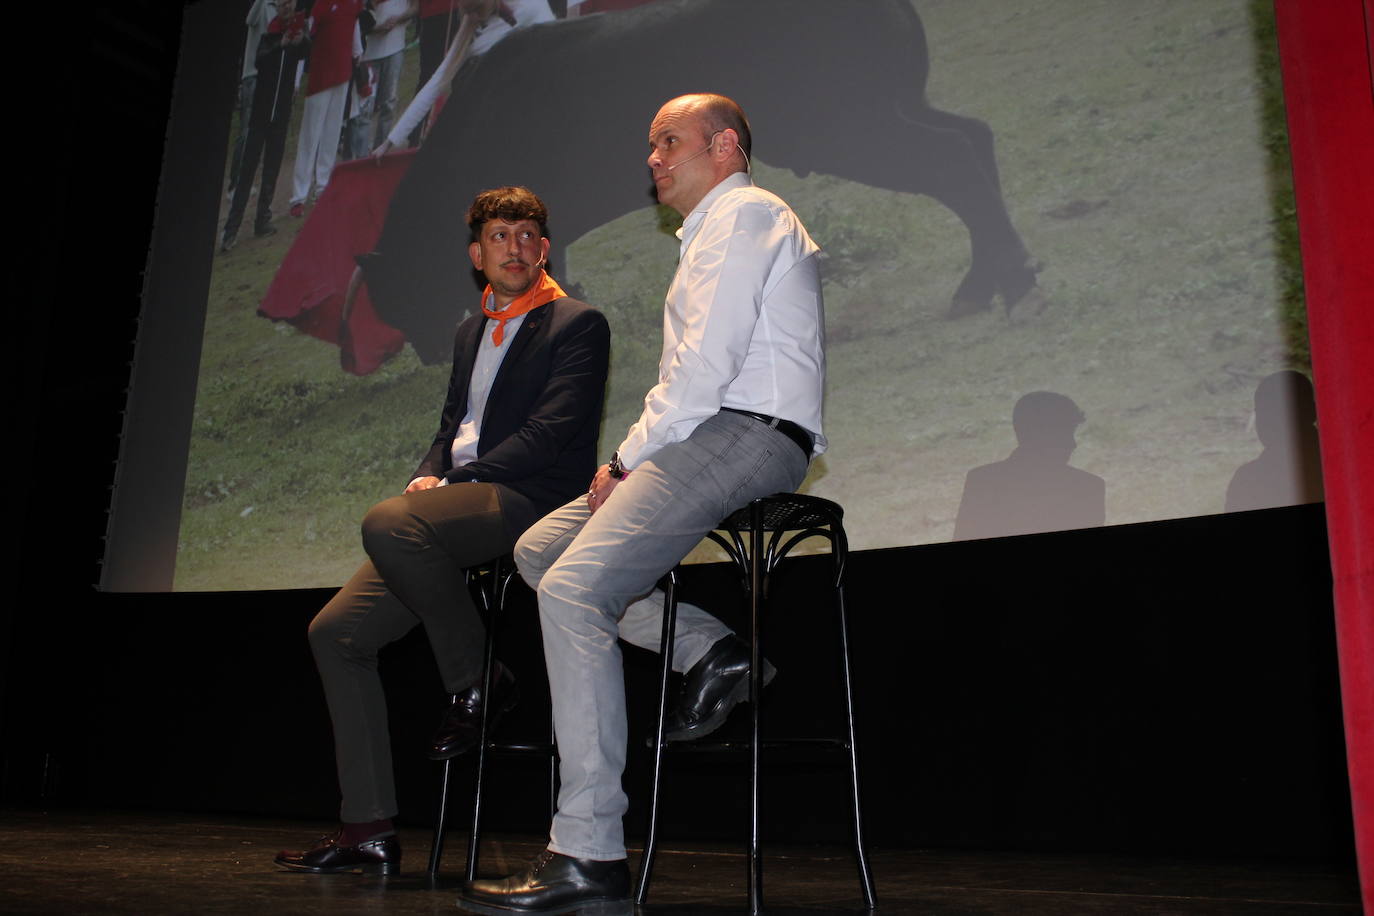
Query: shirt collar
[728, 183]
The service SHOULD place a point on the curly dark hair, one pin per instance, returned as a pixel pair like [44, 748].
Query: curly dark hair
[511, 204]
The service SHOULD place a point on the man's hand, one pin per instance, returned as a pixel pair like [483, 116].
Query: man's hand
[382, 149]
[422, 483]
[602, 485]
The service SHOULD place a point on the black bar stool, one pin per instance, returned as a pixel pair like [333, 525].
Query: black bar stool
[489, 583]
[786, 519]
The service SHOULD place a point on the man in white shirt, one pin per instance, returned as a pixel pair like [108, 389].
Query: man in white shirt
[736, 415]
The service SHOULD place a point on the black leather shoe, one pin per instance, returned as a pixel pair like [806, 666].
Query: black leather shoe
[554, 883]
[381, 856]
[714, 686]
[462, 723]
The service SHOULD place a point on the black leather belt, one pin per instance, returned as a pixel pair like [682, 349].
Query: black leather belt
[789, 429]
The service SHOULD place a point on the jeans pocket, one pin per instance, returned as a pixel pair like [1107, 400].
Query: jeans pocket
[749, 484]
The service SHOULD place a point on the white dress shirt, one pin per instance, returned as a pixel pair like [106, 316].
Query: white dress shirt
[743, 324]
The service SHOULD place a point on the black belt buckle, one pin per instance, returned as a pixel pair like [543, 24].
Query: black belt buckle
[789, 429]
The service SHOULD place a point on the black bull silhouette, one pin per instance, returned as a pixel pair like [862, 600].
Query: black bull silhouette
[564, 108]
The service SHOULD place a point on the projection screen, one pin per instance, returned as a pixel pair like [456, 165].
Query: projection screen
[1059, 263]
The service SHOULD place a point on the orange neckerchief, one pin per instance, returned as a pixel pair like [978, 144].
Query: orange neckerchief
[545, 289]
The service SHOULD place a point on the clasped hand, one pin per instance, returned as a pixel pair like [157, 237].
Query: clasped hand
[602, 485]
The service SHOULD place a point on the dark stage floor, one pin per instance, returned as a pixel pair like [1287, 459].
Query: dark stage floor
[69, 862]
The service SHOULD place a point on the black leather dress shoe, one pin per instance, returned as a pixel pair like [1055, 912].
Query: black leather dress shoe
[381, 856]
[554, 883]
[714, 686]
[462, 723]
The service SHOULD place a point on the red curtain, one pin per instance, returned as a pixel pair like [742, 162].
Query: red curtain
[1327, 54]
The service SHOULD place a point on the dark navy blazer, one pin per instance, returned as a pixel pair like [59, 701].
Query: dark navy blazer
[539, 431]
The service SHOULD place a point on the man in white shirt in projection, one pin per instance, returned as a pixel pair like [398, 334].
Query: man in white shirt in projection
[736, 415]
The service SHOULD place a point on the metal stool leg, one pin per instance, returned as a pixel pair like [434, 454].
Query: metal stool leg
[492, 597]
[646, 861]
[483, 739]
[757, 580]
[436, 845]
[860, 850]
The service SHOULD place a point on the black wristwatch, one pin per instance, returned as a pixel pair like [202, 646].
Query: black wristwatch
[616, 469]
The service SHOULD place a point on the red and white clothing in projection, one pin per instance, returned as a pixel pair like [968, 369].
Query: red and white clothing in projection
[335, 43]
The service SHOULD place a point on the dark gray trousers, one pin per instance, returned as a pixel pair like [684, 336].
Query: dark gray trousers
[418, 545]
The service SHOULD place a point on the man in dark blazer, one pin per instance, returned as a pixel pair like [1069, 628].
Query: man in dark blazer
[517, 438]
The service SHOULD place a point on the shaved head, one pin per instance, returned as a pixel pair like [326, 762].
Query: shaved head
[719, 112]
[696, 142]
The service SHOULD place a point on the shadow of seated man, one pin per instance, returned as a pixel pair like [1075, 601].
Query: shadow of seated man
[1288, 471]
[1034, 488]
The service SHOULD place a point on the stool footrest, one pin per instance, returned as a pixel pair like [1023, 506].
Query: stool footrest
[767, 744]
[530, 748]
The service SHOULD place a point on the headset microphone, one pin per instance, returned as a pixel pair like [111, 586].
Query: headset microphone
[699, 152]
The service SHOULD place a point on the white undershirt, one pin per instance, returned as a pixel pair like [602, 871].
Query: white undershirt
[484, 369]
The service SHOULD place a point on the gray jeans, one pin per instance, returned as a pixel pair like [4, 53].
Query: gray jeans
[592, 574]
[366, 129]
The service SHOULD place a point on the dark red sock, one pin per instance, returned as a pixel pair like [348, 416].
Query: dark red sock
[353, 834]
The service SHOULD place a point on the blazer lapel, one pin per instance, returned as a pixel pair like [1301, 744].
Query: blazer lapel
[469, 338]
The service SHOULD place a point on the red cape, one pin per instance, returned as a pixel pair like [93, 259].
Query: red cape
[308, 289]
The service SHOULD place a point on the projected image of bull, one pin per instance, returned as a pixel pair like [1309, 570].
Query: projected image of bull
[835, 88]
[1138, 153]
